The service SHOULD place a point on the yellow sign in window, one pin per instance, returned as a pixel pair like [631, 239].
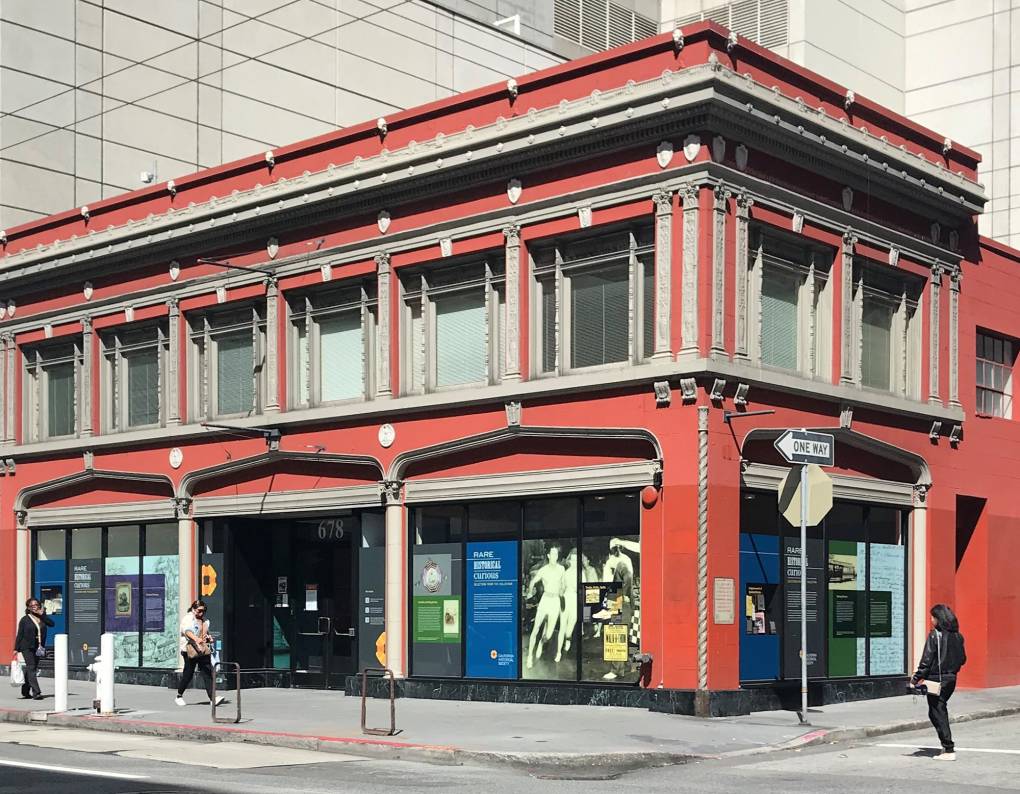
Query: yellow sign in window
[614, 642]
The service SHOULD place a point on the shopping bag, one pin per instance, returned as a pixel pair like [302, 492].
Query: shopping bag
[17, 672]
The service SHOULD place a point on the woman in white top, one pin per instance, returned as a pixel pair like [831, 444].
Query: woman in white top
[195, 634]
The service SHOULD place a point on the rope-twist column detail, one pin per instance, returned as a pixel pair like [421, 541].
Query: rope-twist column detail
[703, 547]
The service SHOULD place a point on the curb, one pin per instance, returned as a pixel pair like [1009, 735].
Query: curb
[383, 749]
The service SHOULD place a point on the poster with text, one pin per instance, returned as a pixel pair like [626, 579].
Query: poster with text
[372, 607]
[436, 572]
[492, 604]
[83, 610]
[887, 609]
[123, 605]
[815, 606]
[848, 578]
[611, 606]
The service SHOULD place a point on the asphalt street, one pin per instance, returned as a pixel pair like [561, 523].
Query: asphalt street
[41, 759]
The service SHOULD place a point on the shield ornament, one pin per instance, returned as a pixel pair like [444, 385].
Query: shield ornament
[692, 145]
[664, 153]
[514, 188]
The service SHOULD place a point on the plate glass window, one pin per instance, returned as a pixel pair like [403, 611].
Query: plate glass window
[594, 302]
[995, 357]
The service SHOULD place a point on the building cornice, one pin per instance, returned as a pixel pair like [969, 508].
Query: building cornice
[507, 147]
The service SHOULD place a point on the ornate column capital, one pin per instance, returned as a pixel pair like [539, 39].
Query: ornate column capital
[849, 240]
[391, 492]
[663, 199]
[86, 324]
[955, 278]
[182, 507]
[721, 195]
[272, 285]
[744, 204]
[689, 193]
[512, 233]
[921, 494]
[382, 261]
[173, 305]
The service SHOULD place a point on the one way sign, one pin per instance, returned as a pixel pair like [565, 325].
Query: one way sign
[803, 446]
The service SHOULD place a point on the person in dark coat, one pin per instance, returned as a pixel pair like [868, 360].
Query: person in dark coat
[31, 644]
[944, 654]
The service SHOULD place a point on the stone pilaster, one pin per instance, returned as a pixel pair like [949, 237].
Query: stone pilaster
[512, 336]
[720, 205]
[663, 200]
[272, 345]
[690, 194]
[85, 398]
[382, 373]
[744, 203]
[173, 394]
[847, 369]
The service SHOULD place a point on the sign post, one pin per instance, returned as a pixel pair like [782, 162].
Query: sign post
[804, 448]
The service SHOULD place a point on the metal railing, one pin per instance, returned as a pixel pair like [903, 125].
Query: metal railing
[236, 668]
[383, 672]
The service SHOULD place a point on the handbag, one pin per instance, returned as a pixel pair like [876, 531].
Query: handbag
[194, 652]
[17, 671]
[935, 687]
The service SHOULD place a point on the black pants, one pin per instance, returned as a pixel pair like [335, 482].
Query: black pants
[938, 712]
[204, 664]
[31, 686]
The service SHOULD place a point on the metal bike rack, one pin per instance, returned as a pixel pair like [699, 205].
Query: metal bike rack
[236, 668]
[383, 671]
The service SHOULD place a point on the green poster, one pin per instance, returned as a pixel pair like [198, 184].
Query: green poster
[846, 613]
[880, 614]
[437, 619]
[846, 575]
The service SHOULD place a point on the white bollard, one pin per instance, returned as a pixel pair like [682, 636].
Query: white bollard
[60, 672]
[106, 675]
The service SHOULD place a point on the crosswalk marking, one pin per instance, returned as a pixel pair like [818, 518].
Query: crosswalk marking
[70, 770]
[958, 749]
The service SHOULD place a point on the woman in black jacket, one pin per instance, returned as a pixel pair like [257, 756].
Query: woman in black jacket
[31, 644]
[942, 659]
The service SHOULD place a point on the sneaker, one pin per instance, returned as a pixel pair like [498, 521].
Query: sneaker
[180, 701]
[945, 756]
[219, 699]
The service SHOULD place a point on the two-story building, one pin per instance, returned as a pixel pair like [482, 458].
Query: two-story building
[486, 392]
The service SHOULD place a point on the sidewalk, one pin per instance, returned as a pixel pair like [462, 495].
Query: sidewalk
[455, 732]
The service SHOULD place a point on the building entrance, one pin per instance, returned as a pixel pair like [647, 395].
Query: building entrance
[286, 599]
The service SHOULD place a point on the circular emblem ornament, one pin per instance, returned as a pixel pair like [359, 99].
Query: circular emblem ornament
[176, 457]
[431, 577]
[387, 435]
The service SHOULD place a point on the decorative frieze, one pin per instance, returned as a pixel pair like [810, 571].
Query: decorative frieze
[720, 206]
[847, 369]
[955, 276]
[689, 194]
[85, 398]
[272, 345]
[383, 275]
[512, 352]
[934, 333]
[173, 397]
[663, 200]
[744, 204]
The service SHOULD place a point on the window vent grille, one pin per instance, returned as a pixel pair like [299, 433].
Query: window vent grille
[600, 24]
[763, 21]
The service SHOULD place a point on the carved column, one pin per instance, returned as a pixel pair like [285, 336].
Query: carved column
[847, 370]
[744, 203]
[689, 194]
[173, 378]
[720, 205]
[382, 371]
[512, 336]
[187, 558]
[663, 200]
[272, 345]
[85, 398]
[10, 434]
[954, 336]
[918, 585]
[395, 576]
[934, 333]
[5, 395]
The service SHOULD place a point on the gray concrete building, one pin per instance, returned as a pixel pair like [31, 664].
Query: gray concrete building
[102, 96]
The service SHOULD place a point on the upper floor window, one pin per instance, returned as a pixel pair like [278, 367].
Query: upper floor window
[228, 362]
[134, 377]
[52, 378]
[995, 357]
[887, 329]
[594, 298]
[333, 334]
[453, 325]
[791, 304]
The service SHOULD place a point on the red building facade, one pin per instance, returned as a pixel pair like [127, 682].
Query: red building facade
[460, 391]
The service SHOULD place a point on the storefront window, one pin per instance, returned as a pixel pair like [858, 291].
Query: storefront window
[160, 587]
[856, 601]
[120, 579]
[551, 588]
[50, 575]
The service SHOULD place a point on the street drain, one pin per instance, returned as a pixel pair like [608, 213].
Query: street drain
[576, 775]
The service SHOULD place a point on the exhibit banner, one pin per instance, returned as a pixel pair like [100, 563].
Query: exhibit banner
[815, 607]
[435, 609]
[372, 607]
[492, 609]
[887, 609]
[848, 577]
[84, 602]
[123, 604]
[160, 607]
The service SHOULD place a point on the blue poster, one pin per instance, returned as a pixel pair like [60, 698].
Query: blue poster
[492, 593]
